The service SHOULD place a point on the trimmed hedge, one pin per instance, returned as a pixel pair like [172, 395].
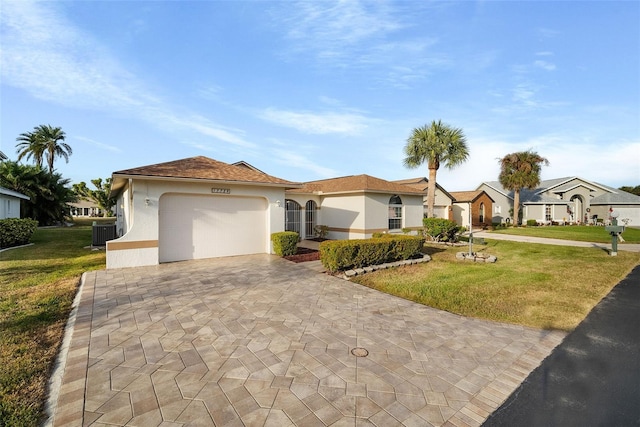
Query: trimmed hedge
[16, 232]
[338, 255]
[285, 243]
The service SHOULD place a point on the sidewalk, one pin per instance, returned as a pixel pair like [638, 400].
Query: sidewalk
[631, 247]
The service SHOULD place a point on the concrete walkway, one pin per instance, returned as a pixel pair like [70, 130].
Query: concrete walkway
[260, 341]
[631, 247]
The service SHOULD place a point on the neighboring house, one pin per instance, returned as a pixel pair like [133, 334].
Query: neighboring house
[476, 206]
[565, 200]
[10, 203]
[353, 207]
[85, 208]
[3, 157]
[443, 206]
[193, 208]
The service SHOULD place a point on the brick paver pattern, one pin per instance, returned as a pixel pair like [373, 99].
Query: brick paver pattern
[260, 341]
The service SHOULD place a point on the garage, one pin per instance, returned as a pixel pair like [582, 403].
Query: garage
[207, 226]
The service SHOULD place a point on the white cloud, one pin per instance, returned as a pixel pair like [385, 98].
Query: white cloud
[545, 65]
[98, 144]
[295, 160]
[45, 55]
[317, 123]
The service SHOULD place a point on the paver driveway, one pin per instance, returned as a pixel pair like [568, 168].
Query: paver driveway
[260, 341]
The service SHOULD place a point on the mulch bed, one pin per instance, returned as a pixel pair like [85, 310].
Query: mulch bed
[304, 255]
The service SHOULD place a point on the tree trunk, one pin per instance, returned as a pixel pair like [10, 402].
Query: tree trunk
[431, 192]
[516, 207]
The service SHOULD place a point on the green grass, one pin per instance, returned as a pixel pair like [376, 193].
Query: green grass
[542, 286]
[37, 287]
[580, 233]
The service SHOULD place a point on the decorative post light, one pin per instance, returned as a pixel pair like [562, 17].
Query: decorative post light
[614, 229]
[470, 232]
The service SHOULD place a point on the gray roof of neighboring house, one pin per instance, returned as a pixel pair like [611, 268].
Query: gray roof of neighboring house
[614, 195]
[8, 192]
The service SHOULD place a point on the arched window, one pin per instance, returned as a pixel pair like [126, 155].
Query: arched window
[292, 216]
[310, 218]
[395, 213]
[481, 219]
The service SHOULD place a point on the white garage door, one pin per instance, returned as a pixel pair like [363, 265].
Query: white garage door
[632, 214]
[195, 227]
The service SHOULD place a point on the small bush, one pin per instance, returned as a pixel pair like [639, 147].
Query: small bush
[440, 229]
[16, 232]
[321, 231]
[532, 223]
[285, 243]
[344, 254]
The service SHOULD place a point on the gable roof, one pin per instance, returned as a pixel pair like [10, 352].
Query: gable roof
[469, 196]
[244, 164]
[558, 185]
[355, 184]
[7, 192]
[421, 183]
[200, 168]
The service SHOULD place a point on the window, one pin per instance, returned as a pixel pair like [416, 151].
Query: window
[547, 213]
[292, 216]
[395, 213]
[481, 212]
[310, 218]
[497, 209]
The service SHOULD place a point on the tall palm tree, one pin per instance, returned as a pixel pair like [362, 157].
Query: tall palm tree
[520, 170]
[436, 144]
[45, 141]
[53, 140]
[30, 145]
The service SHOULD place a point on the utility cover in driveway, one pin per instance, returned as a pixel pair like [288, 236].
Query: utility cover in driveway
[196, 226]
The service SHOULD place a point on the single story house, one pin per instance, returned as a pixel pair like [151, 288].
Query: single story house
[443, 205]
[353, 207]
[85, 208]
[472, 209]
[10, 203]
[193, 208]
[202, 208]
[565, 200]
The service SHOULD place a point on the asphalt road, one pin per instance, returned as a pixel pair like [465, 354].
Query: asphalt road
[593, 377]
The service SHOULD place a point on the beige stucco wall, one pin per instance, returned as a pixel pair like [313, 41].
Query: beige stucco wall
[137, 216]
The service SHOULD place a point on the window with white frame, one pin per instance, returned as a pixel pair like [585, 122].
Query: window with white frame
[395, 213]
[497, 209]
[547, 213]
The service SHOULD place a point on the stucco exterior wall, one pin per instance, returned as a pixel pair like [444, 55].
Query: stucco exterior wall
[500, 206]
[9, 207]
[137, 216]
[344, 215]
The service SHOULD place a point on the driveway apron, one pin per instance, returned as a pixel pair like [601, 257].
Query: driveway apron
[260, 341]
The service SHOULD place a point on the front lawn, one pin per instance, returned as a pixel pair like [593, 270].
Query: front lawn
[580, 233]
[37, 287]
[542, 286]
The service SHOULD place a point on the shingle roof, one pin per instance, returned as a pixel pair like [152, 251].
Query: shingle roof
[466, 196]
[204, 168]
[355, 183]
[615, 196]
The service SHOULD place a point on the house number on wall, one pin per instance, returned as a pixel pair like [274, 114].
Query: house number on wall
[221, 190]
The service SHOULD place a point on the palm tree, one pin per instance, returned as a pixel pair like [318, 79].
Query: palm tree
[45, 140]
[435, 144]
[520, 170]
[53, 140]
[30, 145]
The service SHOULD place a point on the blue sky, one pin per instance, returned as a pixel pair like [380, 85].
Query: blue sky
[316, 89]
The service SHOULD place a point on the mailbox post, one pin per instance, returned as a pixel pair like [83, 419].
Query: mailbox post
[614, 229]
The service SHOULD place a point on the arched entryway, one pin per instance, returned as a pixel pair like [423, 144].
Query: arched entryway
[292, 216]
[310, 218]
[577, 208]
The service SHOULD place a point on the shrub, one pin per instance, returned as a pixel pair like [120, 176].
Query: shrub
[285, 243]
[321, 231]
[344, 254]
[440, 229]
[532, 223]
[16, 232]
